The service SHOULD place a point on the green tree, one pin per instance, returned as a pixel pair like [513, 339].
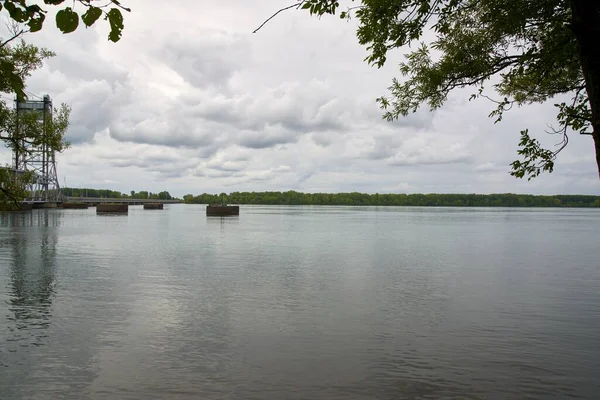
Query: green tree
[27, 17]
[18, 61]
[524, 51]
[164, 195]
[416, 199]
[67, 17]
[18, 129]
[26, 127]
[12, 187]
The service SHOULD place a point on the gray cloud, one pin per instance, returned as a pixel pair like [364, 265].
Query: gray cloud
[322, 139]
[208, 58]
[293, 106]
[384, 146]
[203, 104]
[428, 160]
[485, 167]
[427, 154]
[164, 132]
[227, 166]
[92, 108]
[422, 119]
[213, 173]
[203, 119]
[259, 140]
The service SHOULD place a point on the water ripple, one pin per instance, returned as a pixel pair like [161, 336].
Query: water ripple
[300, 303]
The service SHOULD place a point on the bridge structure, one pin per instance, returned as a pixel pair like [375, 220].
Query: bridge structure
[37, 159]
[116, 200]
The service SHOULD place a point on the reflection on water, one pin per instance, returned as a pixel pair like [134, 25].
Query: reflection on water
[41, 218]
[223, 220]
[300, 302]
[32, 271]
[28, 262]
[33, 283]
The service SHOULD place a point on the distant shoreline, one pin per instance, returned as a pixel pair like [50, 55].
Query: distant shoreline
[360, 199]
[417, 200]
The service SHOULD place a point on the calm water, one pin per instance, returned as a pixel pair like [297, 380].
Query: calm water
[300, 303]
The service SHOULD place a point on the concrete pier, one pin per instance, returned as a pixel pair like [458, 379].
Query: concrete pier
[153, 206]
[222, 210]
[76, 206]
[44, 205]
[112, 208]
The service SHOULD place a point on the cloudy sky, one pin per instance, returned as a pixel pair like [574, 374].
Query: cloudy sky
[191, 101]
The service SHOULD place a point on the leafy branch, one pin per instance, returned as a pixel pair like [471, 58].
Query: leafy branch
[576, 116]
[297, 6]
[314, 7]
[536, 158]
[13, 187]
[67, 19]
[16, 30]
[531, 50]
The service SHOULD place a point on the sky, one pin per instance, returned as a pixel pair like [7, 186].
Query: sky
[191, 101]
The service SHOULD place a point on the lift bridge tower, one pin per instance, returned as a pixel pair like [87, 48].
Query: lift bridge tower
[38, 159]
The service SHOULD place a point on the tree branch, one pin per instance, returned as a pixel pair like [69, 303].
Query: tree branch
[117, 3]
[11, 39]
[10, 195]
[576, 116]
[16, 31]
[563, 131]
[458, 81]
[280, 10]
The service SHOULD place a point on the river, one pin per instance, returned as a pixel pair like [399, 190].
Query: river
[306, 302]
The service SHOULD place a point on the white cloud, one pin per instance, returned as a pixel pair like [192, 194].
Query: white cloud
[195, 102]
[486, 167]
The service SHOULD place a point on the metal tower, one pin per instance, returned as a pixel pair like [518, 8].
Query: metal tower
[38, 159]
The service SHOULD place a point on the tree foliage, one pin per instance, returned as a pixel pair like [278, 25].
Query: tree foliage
[423, 200]
[25, 129]
[68, 17]
[21, 132]
[28, 17]
[524, 51]
[12, 187]
[143, 194]
[17, 62]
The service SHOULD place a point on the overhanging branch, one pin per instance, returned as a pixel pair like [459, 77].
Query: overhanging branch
[499, 65]
[11, 196]
[297, 5]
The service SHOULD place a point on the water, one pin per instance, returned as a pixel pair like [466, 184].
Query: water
[300, 303]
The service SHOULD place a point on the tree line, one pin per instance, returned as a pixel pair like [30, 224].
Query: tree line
[377, 199]
[113, 194]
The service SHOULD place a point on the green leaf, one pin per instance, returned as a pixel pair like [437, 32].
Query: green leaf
[16, 13]
[33, 9]
[35, 24]
[115, 18]
[306, 5]
[67, 20]
[9, 6]
[91, 16]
